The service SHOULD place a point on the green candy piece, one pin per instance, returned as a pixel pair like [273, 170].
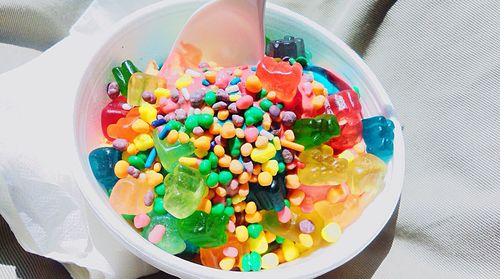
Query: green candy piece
[225, 177]
[212, 179]
[280, 239]
[191, 122]
[287, 203]
[204, 230]
[143, 155]
[136, 162]
[291, 61]
[246, 265]
[229, 210]
[255, 261]
[160, 189]
[302, 60]
[171, 241]
[205, 167]
[205, 120]
[265, 104]
[210, 98]
[262, 94]
[281, 167]
[311, 132]
[356, 89]
[214, 161]
[229, 200]
[158, 206]
[253, 116]
[217, 209]
[185, 187]
[280, 106]
[254, 230]
[128, 217]
[235, 145]
[174, 125]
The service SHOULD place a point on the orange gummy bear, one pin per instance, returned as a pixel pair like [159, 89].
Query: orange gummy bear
[123, 128]
[127, 196]
[212, 256]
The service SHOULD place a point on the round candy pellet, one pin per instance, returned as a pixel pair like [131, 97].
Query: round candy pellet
[141, 221]
[331, 232]
[270, 260]
[230, 252]
[227, 263]
[156, 234]
[205, 167]
[241, 233]
[265, 178]
[306, 240]
[212, 179]
[225, 177]
[121, 169]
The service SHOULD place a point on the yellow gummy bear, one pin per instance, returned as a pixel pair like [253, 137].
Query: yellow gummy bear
[321, 168]
[366, 174]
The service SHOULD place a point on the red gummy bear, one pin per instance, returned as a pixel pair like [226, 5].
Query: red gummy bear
[111, 113]
[347, 108]
[280, 77]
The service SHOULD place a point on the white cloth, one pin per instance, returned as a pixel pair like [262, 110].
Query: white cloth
[440, 63]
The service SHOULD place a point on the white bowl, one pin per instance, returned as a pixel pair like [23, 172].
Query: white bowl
[149, 33]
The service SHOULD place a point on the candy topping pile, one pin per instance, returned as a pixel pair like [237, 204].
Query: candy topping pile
[240, 168]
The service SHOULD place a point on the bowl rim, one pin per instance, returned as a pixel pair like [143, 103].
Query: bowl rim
[183, 268]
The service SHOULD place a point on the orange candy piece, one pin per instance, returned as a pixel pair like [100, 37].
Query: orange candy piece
[123, 128]
[280, 77]
[127, 197]
[212, 256]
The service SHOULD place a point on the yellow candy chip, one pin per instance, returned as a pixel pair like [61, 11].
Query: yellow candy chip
[306, 240]
[290, 252]
[270, 260]
[227, 263]
[184, 81]
[331, 232]
[258, 244]
[161, 92]
[143, 142]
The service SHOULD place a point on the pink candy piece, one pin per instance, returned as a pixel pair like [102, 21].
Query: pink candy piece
[222, 79]
[230, 252]
[156, 234]
[231, 227]
[306, 88]
[169, 106]
[148, 198]
[141, 221]
[284, 215]
[244, 102]
[251, 134]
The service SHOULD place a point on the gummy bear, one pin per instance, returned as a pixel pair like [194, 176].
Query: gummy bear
[123, 128]
[212, 256]
[366, 174]
[270, 197]
[171, 241]
[122, 75]
[127, 196]
[140, 82]
[291, 229]
[184, 189]
[204, 230]
[102, 162]
[280, 77]
[347, 109]
[169, 154]
[311, 132]
[378, 133]
[322, 168]
[112, 112]
[286, 47]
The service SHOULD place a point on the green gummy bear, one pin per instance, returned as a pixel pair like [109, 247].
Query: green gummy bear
[184, 189]
[204, 230]
[171, 241]
[169, 154]
[311, 132]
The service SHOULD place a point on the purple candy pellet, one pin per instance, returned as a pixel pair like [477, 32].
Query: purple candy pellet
[148, 198]
[238, 121]
[133, 171]
[219, 105]
[232, 108]
[198, 131]
[180, 115]
[170, 116]
[306, 226]
[120, 144]
[287, 156]
[174, 95]
[149, 97]
[217, 139]
[196, 98]
[222, 95]
[113, 90]
[248, 166]
[274, 111]
[288, 118]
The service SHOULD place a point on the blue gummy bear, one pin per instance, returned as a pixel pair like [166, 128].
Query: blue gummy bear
[378, 133]
[102, 162]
